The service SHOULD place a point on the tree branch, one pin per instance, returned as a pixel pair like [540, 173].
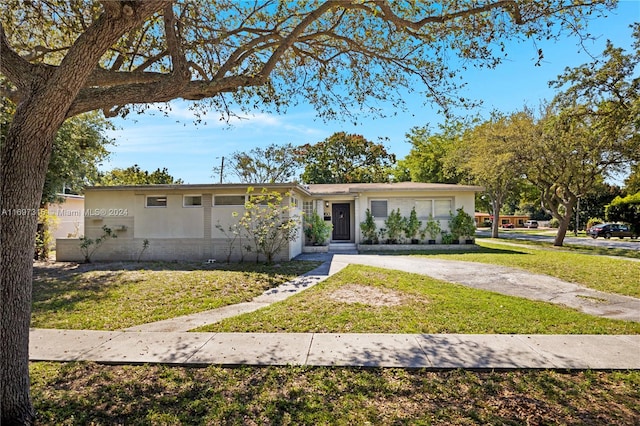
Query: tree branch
[12, 65]
[180, 70]
[509, 5]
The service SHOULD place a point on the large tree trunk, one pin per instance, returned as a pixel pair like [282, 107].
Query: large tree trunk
[48, 96]
[562, 231]
[23, 164]
[565, 220]
[495, 224]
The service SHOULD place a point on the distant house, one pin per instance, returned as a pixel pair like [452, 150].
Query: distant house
[179, 221]
[485, 219]
[68, 214]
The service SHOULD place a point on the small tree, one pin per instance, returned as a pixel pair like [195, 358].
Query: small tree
[145, 246]
[88, 246]
[394, 224]
[461, 225]
[412, 225]
[233, 233]
[368, 228]
[432, 228]
[316, 229]
[267, 222]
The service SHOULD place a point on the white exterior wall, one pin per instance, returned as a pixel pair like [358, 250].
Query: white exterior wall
[69, 221]
[407, 201]
[174, 232]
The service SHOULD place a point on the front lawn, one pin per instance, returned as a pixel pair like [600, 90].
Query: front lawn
[362, 299]
[112, 296]
[88, 393]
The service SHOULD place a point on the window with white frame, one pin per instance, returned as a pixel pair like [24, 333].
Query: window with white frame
[229, 200]
[438, 207]
[192, 201]
[307, 208]
[156, 201]
[379, 208]
[442, 208]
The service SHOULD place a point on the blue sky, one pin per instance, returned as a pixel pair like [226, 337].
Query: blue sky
[189, 151]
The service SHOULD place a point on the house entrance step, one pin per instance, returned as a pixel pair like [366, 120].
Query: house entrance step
[342, 247]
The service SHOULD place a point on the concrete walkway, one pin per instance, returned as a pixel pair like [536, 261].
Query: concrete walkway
[430, 351]
[168, 342]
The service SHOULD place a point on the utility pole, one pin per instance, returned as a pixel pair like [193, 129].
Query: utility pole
[577, 217]
[221, 169]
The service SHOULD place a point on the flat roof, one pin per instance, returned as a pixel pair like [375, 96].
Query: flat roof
[200, 186]
[346, 188]
[312, 189]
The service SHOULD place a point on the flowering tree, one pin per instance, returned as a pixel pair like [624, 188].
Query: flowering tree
[268, 222]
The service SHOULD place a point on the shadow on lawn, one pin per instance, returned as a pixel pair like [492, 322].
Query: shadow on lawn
[61, 286]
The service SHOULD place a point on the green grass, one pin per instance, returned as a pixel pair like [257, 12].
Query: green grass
[576, 248]
[114, 296]
[87, 393]
[602, 273]
[424, 305]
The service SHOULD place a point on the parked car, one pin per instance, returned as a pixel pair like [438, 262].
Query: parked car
[507, 225]
[608, 230]
[531, 224]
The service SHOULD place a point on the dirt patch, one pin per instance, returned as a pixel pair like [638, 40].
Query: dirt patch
[355, 293]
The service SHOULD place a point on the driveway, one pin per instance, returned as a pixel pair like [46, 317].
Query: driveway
[505, 280]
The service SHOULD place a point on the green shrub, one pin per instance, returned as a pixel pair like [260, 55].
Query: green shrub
[412, 225]
[432, 228]
[447, 237]
[394, 224]
[316, 229]
[462, 224]
[368, 228]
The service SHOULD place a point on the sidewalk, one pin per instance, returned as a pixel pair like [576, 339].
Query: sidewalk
[168, 342]
[429, 351]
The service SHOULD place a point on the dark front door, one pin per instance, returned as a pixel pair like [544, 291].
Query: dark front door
[341, 222]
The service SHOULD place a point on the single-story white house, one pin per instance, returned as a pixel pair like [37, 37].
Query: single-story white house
[68, 214]
[182, 222]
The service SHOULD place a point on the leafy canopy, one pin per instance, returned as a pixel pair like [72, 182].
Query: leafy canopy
[433, 154]
[271, 164]
[134, 175]
[340, 56]
[346, 158]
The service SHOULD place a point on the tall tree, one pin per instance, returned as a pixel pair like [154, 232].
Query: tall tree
[632, 182]
[134, 175]
[78, 148]
[590, 131]
[488, 156]
[346, 158]
[432, 156]
[62, 58]
[272, 164]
